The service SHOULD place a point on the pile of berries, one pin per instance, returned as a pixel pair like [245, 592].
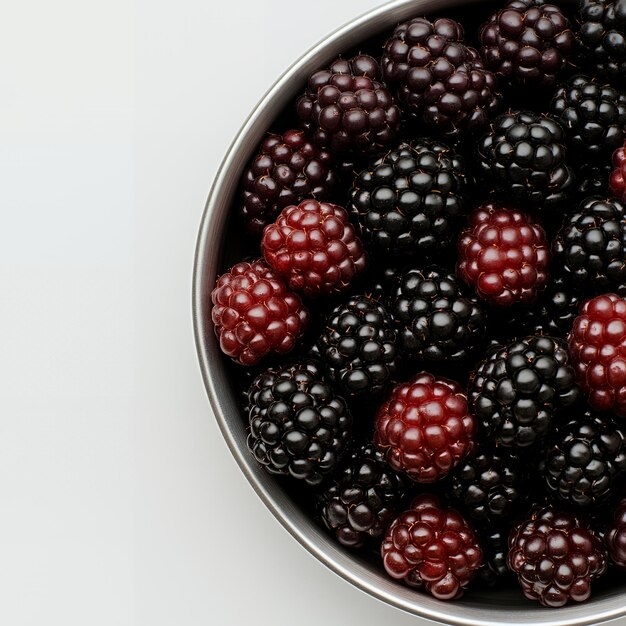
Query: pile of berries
[431, 324]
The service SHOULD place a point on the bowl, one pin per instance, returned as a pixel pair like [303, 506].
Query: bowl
[506, 606]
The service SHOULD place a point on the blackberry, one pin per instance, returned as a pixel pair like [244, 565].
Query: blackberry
[436, 320]
[590, 248]
[615, 535]
[287, 169]
[585, 458]
[358, 346]
[517, 389]
[382, 282]
[602, 37]
[593, 180]
[363, 498]
[593, 116]
[437, 79]
[522, 157]
[346, 108]
[298, 425]
[409, 202]
[494, 543]
[528, 42]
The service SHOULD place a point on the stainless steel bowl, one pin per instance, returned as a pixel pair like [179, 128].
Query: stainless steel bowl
[476, 609]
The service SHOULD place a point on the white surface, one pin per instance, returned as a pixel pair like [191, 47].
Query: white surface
[119, 502]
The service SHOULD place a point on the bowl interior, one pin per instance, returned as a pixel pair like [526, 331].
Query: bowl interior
[220, 243]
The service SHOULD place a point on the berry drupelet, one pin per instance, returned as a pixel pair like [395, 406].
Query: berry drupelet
[597, 344]
[432, 547]
[362, 499]
[358, 346]
[518, 388]
[314, 248]
[615, 535]
[556, 556]
[617, 180]
[593, 116]
[584, 459]
[409, 202]
[425, 427]
[255, 314]
[503, 255]
[436, 320]
[528, 42]
[522, 157]
[590, 248]
[437, 79]
[347, 109]
[298, 425]
[287, 169]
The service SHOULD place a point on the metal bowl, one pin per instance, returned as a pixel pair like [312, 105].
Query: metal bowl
[506, 606]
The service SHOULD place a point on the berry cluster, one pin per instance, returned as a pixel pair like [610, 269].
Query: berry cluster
[443, 260]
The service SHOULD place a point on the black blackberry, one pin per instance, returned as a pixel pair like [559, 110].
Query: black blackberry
[523, 158]
[488, 485]
[346, 108]
[358, 346]
[593, 116]
[495, 545]
[517, 390]
[363, 498]
[590, 248]
[437, 79]
[585, 458]
[381, 283]
[527, 41]
[602, 37]
[409, 202]
[436, 320]
[593, 180]
[298, 425]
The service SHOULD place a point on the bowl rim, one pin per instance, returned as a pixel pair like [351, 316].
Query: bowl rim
[207, 252]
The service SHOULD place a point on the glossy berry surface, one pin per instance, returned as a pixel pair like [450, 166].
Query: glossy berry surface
[425, 427]
[556, 557]
[617, 180]
[597, 344]
[584, 460]
[298, 425]
[437, 79]
[528, 42]
[363, 498]
[432, 547]
[436, 319]
[287, 169]
[615, 535]
[255, 314]
[358, 346]
[503, 255]
[314, 248]
[519, 388]
[347, 109]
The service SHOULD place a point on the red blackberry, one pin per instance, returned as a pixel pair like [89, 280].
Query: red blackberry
[408, 203]
[425, 427]
[522, 157]
[358, 346]
[432, 547]
[287, 169]
[528, 42]
[617, 180]
[503, 255]
[437, 79]
[597, 344]
[298, 425]
[518, 388]
[590, 248]
[602, 37]
[314, 248]
[363, 498]
[254, 314]
[615, 535]
[556, 556]
[593, 116]
[436, 320]
[346, 108]
[585, 458]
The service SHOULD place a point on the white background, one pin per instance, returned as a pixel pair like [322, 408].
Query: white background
[119, 502]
